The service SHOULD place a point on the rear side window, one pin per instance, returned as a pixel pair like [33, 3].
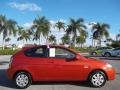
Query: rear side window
[35, 52]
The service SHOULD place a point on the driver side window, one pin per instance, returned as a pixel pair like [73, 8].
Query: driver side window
[61, 53]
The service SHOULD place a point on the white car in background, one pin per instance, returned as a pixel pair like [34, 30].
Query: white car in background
[113, 52]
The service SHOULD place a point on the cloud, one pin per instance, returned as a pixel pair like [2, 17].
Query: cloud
[27, 25]
[113, 36]
[90, 25]
[25, 6]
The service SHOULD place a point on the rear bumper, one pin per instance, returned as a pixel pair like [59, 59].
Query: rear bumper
[10, 73]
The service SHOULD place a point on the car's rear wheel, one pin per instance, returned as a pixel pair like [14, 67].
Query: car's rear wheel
[97, 79]
[107, 54]
[22, 80]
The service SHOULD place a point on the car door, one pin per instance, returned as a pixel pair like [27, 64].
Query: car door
[66, 67]
[39, 63]
[116, 52]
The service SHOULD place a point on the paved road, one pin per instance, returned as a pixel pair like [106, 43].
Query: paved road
[5, 84]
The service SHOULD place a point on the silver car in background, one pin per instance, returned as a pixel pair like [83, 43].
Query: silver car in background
[112, 52]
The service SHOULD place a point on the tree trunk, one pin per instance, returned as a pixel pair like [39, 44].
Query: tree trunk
[92, 42]
[99, 39]
[23, 42]
[3, 44]
[81, 46]
[94, 45]
[100, 43]
[39, 40]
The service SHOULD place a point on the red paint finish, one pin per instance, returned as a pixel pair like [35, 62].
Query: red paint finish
[56, 69]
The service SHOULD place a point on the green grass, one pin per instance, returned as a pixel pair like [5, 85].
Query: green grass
[7, 52]
[82, 50]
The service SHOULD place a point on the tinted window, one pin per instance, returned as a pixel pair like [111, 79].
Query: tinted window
[35, 52]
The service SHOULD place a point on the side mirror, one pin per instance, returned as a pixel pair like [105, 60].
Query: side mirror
[70, 58]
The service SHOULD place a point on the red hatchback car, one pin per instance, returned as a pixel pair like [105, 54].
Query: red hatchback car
[56, 63]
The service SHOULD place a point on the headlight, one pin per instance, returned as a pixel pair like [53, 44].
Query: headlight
[109, 65]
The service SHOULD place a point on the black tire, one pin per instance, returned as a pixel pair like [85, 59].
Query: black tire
[97, 79]
[107, 54]
[24, 84]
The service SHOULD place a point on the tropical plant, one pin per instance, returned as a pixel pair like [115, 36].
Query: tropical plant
[115, 43]
[60, 25]
[23, 34]
[52, 39]
[7, 39]
[80, 40]
[41, 27]
[7, 28]
[118, 37]
[100, 31]
[75, 27]
[65, 39]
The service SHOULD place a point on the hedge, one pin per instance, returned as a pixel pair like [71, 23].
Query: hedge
[8, 52]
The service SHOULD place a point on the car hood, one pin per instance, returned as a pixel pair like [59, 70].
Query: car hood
[95, 62]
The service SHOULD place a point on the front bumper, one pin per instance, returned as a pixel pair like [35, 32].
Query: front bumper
[111, 74]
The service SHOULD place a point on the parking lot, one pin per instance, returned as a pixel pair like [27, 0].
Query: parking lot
[5, 84]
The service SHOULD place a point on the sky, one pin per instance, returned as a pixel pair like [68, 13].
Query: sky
[25, 11]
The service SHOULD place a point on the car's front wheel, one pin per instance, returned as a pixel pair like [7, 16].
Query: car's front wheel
[97, 79]
[22, 80]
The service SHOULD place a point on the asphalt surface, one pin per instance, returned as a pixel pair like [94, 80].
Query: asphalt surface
[6, 84]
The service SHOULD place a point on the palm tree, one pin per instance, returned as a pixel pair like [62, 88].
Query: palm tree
[65, 39]
[41, 27]
[23, 34]
[60, 25]
[100, 31]
[118, 37]
[75, 27]
[109, 41]
[7, 28]
[52, 39]
[82, 39]
[7, 39]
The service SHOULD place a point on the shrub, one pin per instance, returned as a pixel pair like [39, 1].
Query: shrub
[8, 52]
[82, 50]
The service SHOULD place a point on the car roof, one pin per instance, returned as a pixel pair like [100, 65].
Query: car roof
[51, 46]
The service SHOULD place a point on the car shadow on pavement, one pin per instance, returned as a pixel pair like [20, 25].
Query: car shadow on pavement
[75, 83]
[5, 82]
[4, 62]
